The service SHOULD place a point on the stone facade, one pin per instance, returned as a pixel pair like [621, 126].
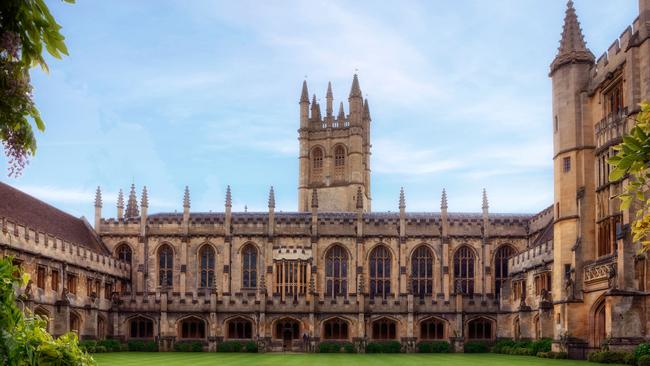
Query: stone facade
[336, 271]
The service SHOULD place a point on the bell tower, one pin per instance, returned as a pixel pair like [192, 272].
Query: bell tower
[334, 152]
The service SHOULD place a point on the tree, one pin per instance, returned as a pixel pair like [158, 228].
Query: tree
[632, 161]
[26, 26]
[24, 339]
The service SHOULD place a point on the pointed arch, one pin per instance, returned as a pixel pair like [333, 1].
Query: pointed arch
[192, 327]
[124, 252]
[480, 328]
[336, 271]
[501, 256]
[422, 271]
[45, 315]
[433, 328]
[335, 328]
[249, 258]
[384, 328]
[380, 262]
[464, 270]
[599, 322]
[206, 263]
[287, 328]
[140, 327]
[165, 265]
[239, 327]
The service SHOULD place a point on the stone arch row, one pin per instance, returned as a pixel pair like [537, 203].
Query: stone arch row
[76, 322]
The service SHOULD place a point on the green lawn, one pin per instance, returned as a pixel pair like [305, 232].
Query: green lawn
[279, 359]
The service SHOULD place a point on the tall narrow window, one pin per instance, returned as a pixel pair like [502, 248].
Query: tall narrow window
[206, 267]
[55, 280]
[249, 267]
[339, 163]
[464, 270]
[566, 164]
[501, 267]
[336, 272]
[422, 272]
[75, 323]
[380, 262]
[317, 165]
[71, 283]
[40, 277]
[124, 253]
[165, 266]
[614, 99]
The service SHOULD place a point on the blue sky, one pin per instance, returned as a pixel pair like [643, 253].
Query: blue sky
[205, 93]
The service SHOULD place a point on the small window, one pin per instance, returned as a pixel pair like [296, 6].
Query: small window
[55, 280]
[108, 290]
[72, 283]
[40, 277]
[557, 124]
[89, 286]
[557, 210]
[566, 164]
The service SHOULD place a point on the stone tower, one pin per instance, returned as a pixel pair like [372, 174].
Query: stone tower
[334, 152]
[573, 147]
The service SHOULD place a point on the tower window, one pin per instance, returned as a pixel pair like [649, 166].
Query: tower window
[566, 164]
[339, 163]
[557, 124]
[317, 165]
[614, 99]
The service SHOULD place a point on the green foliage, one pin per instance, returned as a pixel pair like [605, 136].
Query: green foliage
[23, 337]
[523, 348]
[336, 347]
[237, 346]
[434, 347]
[501, 344]
[112, 345]
[609, 357]
[349, 348]
[188, 346]
[556, 355]
[643, 360]
[642, 350]
[541, 345]
[632, 159]
[26, 27]
[142, 346]
[476, 347]
[384, 347]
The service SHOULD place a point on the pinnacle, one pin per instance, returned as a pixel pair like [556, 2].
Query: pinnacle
[228, 197]
[186, 197]
[485, 200]
[98, 197]
[271, 198]
[355, 91]
[120, 199]
[366, 109]
[572, 45]
[132, 209]
[145, 198]
[304, 96]
[443, 200]
[402, 200]
[341, 112]
[329, 90]
[314, 198]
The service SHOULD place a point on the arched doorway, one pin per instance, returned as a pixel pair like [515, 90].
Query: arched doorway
[101, 327]
[600, 330]
[287, 330]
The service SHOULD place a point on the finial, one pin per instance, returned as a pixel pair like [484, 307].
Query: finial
[402, 200]
[443, 200]
[359, 198]
[314, 198]
[329, 90]
[313, 100]
[271, 198]
[132, 209]
[98, 197]
[485, 200]
[366, 109]
[341, 112]
[245, 208]
[145, 198]
[186, 197]
[573, 48]
[304, 96]
[120, 199]
[228, 197]
[355, 91]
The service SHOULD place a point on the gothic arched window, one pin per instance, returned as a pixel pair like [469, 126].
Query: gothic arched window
[464, 262]
[249, 267]
[422, 271]
[206, 266]
[380, 263]
[432, 329]
[339, 162]
[336, 271]
[335, 329]
[240, 328]
[165, 266]
[192, 328]
[317, 164]
[124, 253]
[480, 328]
[384, 329]
[501, 267]
[141, 328]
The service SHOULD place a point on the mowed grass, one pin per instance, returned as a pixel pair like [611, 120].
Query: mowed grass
[280, 359]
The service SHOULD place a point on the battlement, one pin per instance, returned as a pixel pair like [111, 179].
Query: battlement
[531, 258]
[610, 60]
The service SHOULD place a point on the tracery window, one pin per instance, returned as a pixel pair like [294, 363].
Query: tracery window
[165, 266]
[339, 163]
[192, 328]
[291, 278]
[206, 267]
[240, 328]
[287, 329]
[141, 328]
[432, 329]
[249, 267]
[464, 262]
[336, 272]
[380, 263]
[335, 329]
[607, 234]
[480, 328]
[501, 267]
[422, 271]
[384, 329]
[124, 253]
[518, 290]
[317, 164]
[542, 283]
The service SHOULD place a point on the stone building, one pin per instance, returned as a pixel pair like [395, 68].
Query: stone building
[337, 271]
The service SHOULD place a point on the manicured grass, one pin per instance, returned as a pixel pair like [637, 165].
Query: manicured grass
[279, 359]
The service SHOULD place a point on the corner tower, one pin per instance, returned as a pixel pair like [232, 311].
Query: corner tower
[573, 172]
[334, 152]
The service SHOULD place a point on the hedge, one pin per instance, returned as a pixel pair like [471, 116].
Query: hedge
[611, 357]
[384, 347]
[434, 347]
[336, 347]
[188, 346]
[642, 350]
[237, 346]
[556, 355]
[522, 348]
[143, 346]
[644, 360]
[476, 347]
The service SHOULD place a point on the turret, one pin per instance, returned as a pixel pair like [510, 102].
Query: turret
[304, 106]
[98, 208]
[120, 205]
[330, 99]
[144, 205]
[356, 102]
[132, 209]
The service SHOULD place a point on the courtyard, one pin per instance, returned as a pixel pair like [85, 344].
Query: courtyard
[272, 359]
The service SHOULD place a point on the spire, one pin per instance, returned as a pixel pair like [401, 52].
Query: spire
[359, 198]
[186, 197]
[120, 199]
[366, 110]
[144, 202]
[573, 48]
[329, 97]
[402, 200]
[341, 112]
[355, 91]
[443, 200]
[319, 117]
[271, 198]
[132, 204]
[304, 96]
[228, 197]
[485, 200]
[314, 198]
[98, 197]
